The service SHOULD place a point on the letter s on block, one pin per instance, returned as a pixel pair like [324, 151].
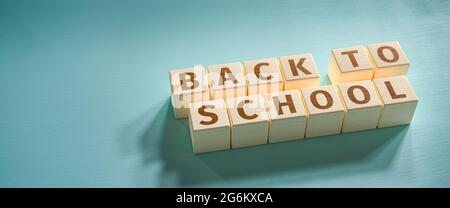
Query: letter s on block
[213, 116]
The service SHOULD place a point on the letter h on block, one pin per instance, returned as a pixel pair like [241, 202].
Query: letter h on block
[287, 116]
[188, 86]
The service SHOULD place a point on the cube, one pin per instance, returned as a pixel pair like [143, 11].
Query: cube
[287, 116]
[389, 59]
[350, 65]
[187, 86]
[209, 126]
[326, 112]
[249, 120]
[263, 76]
[227, 80]
[362, 106]
[299, 71]
[399, 100]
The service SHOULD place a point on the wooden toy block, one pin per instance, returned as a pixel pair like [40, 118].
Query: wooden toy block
[187, 86]
[325, 109]
[362, 106]
[287, 116]
[389, 59]
[263, 76]
[399, 100]
[249, 120]
[227, 80]
[350, 65]
[209, 126]
[299, 71]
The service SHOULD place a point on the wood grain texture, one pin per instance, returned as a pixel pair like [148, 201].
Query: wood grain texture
[85, 96]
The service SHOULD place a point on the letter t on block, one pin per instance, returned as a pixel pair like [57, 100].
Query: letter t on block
[209, 126]
[350, 65]
[399, 100]
[188, 86]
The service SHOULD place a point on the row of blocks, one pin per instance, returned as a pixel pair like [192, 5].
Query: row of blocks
[271, 100]
[283, 73]
[295, 114]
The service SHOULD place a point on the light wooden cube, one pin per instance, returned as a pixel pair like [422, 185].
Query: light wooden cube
[287, 116]
[209, 126]
[350, 65]
[389, 59]
[249, 120]
[399, 100]
[263, 76]
[187, 86]
[362, 106]
[326, 111]
[299, 71]
[227, 80]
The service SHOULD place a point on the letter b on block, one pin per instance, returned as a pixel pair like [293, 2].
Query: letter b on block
[188, 86]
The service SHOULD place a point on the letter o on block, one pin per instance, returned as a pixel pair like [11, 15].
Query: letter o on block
[362, 106]
[389, 59]
[326, 111]
[209, 126]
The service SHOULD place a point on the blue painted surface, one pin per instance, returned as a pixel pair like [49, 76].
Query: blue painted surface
[85, 92]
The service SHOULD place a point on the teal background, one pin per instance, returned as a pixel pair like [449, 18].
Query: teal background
[84, 92]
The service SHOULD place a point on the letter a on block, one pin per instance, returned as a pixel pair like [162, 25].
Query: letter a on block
[362, 106]
[263, 76]
[350, 65]
[249, 120]
[299, 71]
[287, 116]
[209, 126]
[188, 86]
[326, 111]
[399, 100]
[227, 80]
[389, 59]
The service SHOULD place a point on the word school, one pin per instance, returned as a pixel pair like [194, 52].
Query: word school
[272, 100]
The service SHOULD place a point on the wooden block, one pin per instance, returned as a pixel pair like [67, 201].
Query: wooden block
[227, 80]
[188, 86]
[350, 65]
[389, 59]
[362, 106]
[263, 76]
[299, 71]
[399, 100]
[326, 111]
[209, 126]
[287, 116]
[249, 120]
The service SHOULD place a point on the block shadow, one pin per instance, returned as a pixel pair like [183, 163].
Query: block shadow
[167, 140]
